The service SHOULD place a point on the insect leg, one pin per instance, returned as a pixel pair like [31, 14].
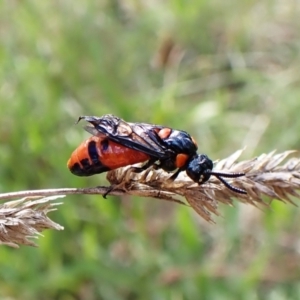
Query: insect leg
[148, 164]
[109, 189]
[174, 176]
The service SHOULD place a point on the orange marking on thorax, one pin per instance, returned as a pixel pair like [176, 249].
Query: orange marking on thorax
[165, 132]
[181, 160]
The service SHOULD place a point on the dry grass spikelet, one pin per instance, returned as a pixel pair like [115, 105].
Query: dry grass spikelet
[266, 179]
[24, 219]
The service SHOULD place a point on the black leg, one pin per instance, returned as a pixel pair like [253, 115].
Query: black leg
[111, 188]
[174, 176]
[148, 164]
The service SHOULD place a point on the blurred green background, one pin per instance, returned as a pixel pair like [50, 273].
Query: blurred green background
[225, 71]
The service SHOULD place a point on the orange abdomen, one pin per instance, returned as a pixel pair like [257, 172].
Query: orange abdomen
[99, 154]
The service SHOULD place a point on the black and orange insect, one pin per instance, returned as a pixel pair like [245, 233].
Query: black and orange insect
[116, 143]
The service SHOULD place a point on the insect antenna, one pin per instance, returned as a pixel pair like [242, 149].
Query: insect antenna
[220, 176]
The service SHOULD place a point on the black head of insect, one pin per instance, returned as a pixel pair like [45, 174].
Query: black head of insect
[199, 169]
